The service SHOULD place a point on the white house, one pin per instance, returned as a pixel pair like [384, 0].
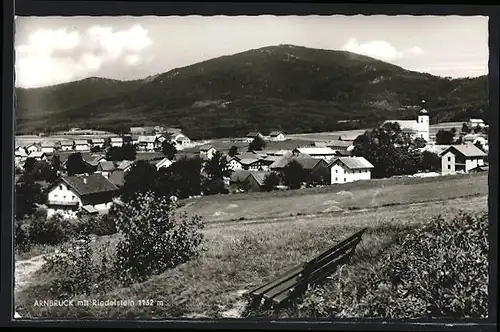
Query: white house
[67, 145]
[164, 163]
[105, 168]
[315, 152]
[32, 148]
[48, 147]
[418, 128]
[70, 194]
[98, 142]
[125, 165]
[349, 169]
[148, 143]
[277, 136]
[234, 164]
[180, 140]
[473, 123]
[38, 155]
[461, 158]
[82, 145]
[20, 156]
[116, 142]
[207, 151]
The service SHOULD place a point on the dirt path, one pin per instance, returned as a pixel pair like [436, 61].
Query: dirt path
[24, 270]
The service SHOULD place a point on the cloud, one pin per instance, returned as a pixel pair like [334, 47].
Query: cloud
[52, 56]
[380, 49]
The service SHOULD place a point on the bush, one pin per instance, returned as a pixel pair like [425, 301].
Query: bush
[53, 230]
[440, 270]
[154, 238]
[97, 225]
[80, 269]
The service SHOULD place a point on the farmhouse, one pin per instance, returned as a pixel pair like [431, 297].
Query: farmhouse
[234, 163]
[67, 145]
[98, 142]
[180, 140]
[277, 136]
[38, 155]
[164, 163]
[252, 164]
[252, 135]
[105, 168]
[94, 163]
[117, 177]
[207, 151]
[48, 147]
[82, 145]
[321, 153]
[148, 143]
[416, 128]
[116, 142]
[473, 123]
[461, 158]
[125, 165]
[255, 181]
[349, 169]
[32, 148]
[127, 140]
[340, 145]
[70, 194]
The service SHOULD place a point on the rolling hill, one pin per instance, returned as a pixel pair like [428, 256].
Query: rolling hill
[295, 89]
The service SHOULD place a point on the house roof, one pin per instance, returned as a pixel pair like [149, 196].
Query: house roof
[147, 139]
[88, 184]
[275, 133]
[344, 153]
[125, 164]
[36, 154]
[240, 175]
[47, 144]
[248, 161]
[467, 150]
[95, 161]
[259, 177]
[309, 163]
[206, 147]
[90, 209]
[81, 142]
[107, 166]
[163, 162]
[117, 177]
[253, 134]
[339, 144]
[476, 120]
[354, 162]
[20, 153]
[316, 151]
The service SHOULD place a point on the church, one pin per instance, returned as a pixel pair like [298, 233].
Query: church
[417, 128]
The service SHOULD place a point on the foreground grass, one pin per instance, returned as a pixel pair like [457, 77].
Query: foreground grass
[242, 256]
[349, 196]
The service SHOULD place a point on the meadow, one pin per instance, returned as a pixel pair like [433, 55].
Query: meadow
[284, 232]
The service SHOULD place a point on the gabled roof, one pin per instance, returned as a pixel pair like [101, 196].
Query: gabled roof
[466, 150]
[164, 161]
[36, 154]
[87, 184]
[206, 147]
[117, 177]
[248, 161]
[310, 163]
[353, 162]
[125, 164]
[275, 133]
[95, 161]
[147, 139]
[253, 134]
[107, 166]
[476, 120]
[339, 144]
[81, 142]
[316, 151]
[240, 175]
[259, 177]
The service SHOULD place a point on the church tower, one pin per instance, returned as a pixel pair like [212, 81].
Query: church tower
[423, 123]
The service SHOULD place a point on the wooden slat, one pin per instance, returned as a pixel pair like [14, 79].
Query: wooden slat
[284, 277]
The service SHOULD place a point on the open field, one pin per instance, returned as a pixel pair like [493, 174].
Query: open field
[336, 198]
[243, 254]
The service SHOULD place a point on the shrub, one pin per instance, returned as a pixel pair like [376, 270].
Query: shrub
[97, 225]
[53, 230]
[440, 270]
[80, 269]
[154, 238]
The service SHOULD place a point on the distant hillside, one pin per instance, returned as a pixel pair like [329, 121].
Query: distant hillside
[295, 89]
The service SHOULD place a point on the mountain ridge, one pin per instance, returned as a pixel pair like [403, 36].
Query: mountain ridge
[286, 87]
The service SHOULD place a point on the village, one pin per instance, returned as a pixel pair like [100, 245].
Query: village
[248, 161]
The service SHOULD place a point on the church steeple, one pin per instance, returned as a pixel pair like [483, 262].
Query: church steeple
[423, 110]
[423, 122]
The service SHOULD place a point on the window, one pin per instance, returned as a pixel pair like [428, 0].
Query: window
[344, 180]
[449, 158]
[449, 166]
[60, 187]
[336, 171]
[73, 197]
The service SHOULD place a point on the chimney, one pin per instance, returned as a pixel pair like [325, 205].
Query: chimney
[85, 180]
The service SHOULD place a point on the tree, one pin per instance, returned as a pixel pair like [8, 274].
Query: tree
[465, 128]
[420, 142]
[29, 165]
[216, 169]
[430, 162]
[56, 163]
[169, 150]
[391, 151]
[125, 152]
[233, 151]
[477, 130]
[75, 164]
[141, 178]
[154, 237]
[479, 145]
[184, 176]
[271, 181]
[257, 144]
[27, 195]
[321, 176]
[444, 137]
[453, 130]
[294, 175]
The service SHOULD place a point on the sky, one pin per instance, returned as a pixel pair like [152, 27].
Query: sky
[54, 50]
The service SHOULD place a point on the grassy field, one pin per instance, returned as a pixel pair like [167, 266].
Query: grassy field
[336, 199]
[241, 255]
